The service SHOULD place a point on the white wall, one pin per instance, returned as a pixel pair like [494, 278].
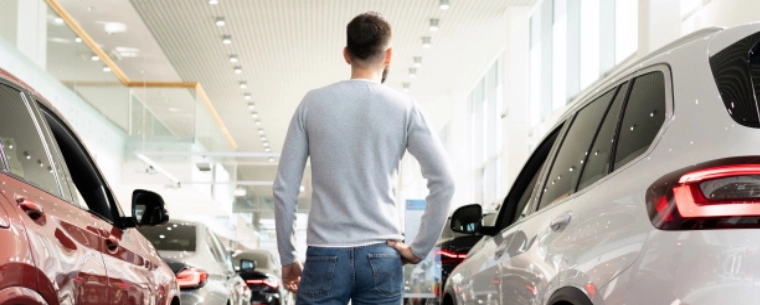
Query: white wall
[722, 13]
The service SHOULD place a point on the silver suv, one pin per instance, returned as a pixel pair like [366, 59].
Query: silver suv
[646, 191]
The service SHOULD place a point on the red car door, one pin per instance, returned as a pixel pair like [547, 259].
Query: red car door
[132, 264]
[132, 272]
[67, 250]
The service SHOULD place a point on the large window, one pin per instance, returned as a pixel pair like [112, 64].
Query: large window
[572, 44]
[626, 29]
[590, 36]
[534, 106]
[559, 55]
[22, 144]
[485, 123]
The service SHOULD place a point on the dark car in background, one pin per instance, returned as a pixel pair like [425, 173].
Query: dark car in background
[452, 249]
[201, 263]
[261, 271]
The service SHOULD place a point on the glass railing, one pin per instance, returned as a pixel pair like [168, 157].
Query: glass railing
[149, 113]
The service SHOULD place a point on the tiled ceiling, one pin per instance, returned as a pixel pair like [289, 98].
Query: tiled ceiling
[287, 47]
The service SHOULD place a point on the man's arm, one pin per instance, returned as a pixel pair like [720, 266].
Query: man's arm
[425, 146]
[287, 186]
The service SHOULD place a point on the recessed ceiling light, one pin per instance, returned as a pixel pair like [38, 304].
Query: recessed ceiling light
[261, 131]
[220, 21]
[444, 4]
[213, 1]
[240, 192]
[434, 24]
[234, 59]
[258, 122]
[406, 87]
[58, 20]
[417, 61]
[247, 96]
[267, 149]
[106, 69]
[263, 138]
[238, 70]
[426, 42]
[78, 40]
[266, 144]
[114, 27]
[251, 106]
[412, 72]
[243, 85]
[226, 39]
[255, 115]
[172, 109]
[271, 160]
[95, 58]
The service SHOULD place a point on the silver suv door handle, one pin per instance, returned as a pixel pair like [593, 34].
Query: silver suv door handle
[560, 223]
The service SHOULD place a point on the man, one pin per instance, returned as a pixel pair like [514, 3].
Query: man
[356, 132]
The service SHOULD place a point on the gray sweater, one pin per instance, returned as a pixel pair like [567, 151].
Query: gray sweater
[356, 133]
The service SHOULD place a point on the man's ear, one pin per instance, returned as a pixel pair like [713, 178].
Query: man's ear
[346, 56]
[388, 55]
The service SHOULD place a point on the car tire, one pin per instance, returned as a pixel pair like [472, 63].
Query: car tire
[569, 296]
[447, 300]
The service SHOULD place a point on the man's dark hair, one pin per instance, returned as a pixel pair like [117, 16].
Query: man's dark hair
[368, 35]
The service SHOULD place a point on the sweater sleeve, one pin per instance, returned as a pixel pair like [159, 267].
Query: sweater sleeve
[287, 186]
[425, 146]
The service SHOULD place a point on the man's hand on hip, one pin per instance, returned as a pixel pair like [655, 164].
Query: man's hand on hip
[406, 252]
[291, 276]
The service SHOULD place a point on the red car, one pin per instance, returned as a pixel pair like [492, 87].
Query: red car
[63, 237]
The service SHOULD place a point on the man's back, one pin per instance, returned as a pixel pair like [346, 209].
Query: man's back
[355, 133]
[357, 136]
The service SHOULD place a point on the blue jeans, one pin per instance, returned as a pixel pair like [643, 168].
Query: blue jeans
[370, 275]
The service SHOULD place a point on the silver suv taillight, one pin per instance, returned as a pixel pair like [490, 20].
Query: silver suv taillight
[719, 195]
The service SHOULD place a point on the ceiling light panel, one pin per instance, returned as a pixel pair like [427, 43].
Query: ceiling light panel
[444, 5]
[434, 24]
[426, 42]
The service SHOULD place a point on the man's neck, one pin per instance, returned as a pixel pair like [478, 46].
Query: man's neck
[367, 74]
